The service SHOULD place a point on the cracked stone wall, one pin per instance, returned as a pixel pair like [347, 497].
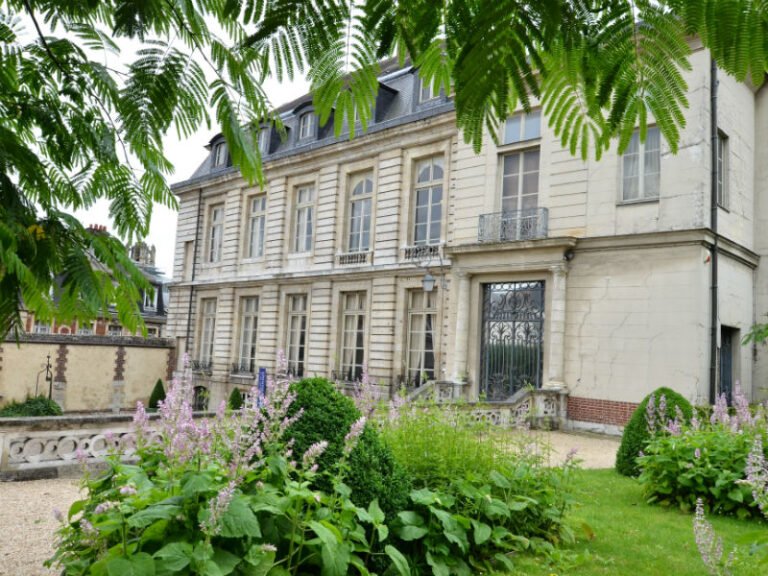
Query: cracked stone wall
[636, 319]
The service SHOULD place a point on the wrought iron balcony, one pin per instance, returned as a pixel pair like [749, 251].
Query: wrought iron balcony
[204, 366]
[353, 258]
[513, 225]
[421, 252]
[242, 368]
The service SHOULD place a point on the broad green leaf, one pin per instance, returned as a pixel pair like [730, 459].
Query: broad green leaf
[239, 520]
[76, 507]
[258, 561]
[152, 514]
[424, 496]
[398, 560]
[410, 518]
[439, 567]
[482, 532]
[376, 513]
[140, 564]
[226, 561]
[499, 480]
[410, 533]
[174, 556]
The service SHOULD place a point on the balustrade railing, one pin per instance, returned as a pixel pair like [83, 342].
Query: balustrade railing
[421, 252]
[512, 225]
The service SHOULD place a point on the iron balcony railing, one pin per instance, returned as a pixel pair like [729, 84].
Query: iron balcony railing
[421, 252]
[512, 225]
[243, 368]
[204, 366]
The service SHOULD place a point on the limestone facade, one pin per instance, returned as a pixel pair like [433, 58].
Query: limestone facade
[593, 276]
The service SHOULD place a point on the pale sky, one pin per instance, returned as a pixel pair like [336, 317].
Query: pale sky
[186, 156]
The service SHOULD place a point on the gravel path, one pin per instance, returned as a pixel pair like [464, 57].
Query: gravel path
[27, 523]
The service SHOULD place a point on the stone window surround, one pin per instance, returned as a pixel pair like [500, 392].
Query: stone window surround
[411, 157]
[247, 197]
[723, 188]
[200, 296]
[234, 344]
[503, 150]
[237, 347]
[208, 206]
[346, 173]
[292, 190]
[339, 289]
[283, 313]
[620, 173]
[405, 285]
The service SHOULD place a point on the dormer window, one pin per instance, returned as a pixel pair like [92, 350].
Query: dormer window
[426, 91]
[264, 141]
[306, 125]
[220, 155]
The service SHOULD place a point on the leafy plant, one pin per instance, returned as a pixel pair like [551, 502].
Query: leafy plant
[637, 432]
[235, 401]
[32, 406]
[706, 461]
[157, 396]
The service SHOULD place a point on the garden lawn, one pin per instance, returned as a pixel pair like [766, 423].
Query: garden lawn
[626, 536]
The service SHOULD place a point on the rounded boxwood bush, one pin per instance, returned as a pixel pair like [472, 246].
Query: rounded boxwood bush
[235, 401]
[636, 436]
[32, 406]
[373, 472]
[157, 396]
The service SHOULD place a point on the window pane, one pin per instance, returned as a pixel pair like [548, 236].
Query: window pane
[531, 183]
[532, 125]
[512, 129]
[531, 161]
[511, 164]
[424, 171]
[437, 168]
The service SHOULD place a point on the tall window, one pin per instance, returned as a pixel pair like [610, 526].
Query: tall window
[306, 125]
[429, 198]
[297, 334]
[352, 336]
[249, 311]
[521, 127]
[360, 213]
[257, 219]
[215, 232]
[641, 167]
[41, 327]
[422, 314]
[520, 181]
[150, 301]
[722, 169]
[220, 154]
[208, 330]
[305, 205]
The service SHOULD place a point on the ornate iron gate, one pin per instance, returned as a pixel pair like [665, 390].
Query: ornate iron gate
[512, 336]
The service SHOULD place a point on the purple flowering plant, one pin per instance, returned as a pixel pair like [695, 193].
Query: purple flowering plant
[706, 459]
[219, 495]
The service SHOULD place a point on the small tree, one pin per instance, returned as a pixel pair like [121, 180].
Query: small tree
[235, 401]
[157, 396]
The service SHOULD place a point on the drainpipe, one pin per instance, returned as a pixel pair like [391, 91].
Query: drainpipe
[194, 266]
[713, 83]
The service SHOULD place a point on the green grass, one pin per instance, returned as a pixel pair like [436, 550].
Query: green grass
[626, 536]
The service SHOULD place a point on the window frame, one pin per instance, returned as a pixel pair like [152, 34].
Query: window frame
[252, 216]
[215, 234]
[429, 186]
[365, 197]
[525, 119]
[642, 195]
[262, 140]
[306, 127]
[220, 155]
[307, 236]
[723, 165]
[248, 329]
[425, 311]
[301, 317]
[351, 365]
[430, 88]
[207, 341]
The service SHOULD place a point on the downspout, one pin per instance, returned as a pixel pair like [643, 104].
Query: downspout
[713, 83]
[194, 265]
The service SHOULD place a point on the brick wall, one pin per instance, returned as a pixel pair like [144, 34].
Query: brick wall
[600, 411]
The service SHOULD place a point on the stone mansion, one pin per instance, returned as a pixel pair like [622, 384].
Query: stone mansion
[523, 266]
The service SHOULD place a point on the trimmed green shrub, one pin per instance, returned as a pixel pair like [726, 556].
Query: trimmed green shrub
[636, 435]
[328, 415]
[235, 401]
[32, 406]
[157, 396]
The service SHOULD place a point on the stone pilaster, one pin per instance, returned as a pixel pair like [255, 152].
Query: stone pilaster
[556, 344]
[462, 327]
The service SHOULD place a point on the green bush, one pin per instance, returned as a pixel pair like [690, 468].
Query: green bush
[235, 401]
[157, 396]
[328, 415]
[32, 406]
[636, 435]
